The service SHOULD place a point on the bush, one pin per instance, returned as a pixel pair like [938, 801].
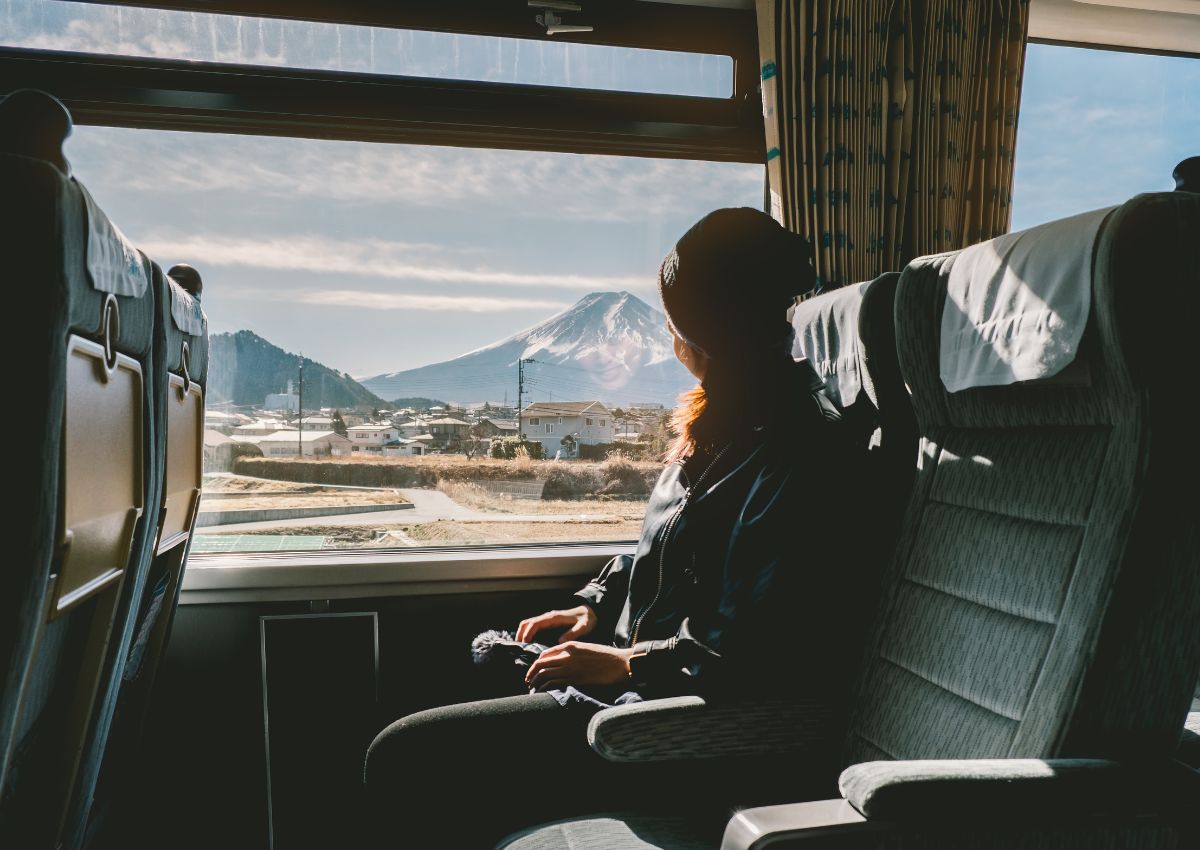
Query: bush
[509, 448]
[565, 480]
[603, 451]
[619, 477]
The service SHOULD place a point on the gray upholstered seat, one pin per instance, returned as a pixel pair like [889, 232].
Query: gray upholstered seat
[849, 336]
[1044, 600]
[82, 295]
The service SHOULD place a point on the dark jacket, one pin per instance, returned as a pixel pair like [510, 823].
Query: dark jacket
[741, 575]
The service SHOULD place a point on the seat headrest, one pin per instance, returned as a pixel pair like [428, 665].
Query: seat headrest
[35, 124]
[827, 336]
[1017, 305]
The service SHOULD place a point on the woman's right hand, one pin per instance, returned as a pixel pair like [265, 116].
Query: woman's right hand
[579, 622]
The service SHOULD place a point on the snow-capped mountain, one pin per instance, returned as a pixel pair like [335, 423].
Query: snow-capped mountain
[610, 346]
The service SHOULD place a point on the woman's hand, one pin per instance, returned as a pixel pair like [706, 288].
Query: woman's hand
[574, 663]
[581, 620]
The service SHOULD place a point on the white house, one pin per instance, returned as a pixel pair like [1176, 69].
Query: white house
[288, 401]
[290, 443]
[547, 422]
[261, 428]
[403, 448]
[371, 438]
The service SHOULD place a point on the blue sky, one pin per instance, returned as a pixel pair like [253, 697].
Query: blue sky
[372, 258]
[1098, 126]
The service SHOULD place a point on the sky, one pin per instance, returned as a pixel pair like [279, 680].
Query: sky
[372, 258]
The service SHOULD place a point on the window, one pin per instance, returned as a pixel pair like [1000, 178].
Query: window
[1099, 126]
[411, 278]
[589, 422]
[205, 37]
[601, 423]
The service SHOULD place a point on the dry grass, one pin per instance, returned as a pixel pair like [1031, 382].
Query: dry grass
[453, 533]
[231, 485]
[564, 479]
[476, 497]
[271, 501]
[465, 533]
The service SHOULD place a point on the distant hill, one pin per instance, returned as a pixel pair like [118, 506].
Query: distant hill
[244, 368]
[610, 346]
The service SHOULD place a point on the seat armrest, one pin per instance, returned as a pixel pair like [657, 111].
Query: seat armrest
[917, 790]
[691, 728]
[1018, 803]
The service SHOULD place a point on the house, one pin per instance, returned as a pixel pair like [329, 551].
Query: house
[547, 422]
[447, 429]
[318, 422]
[371, 438]
[412, 427]
[403, 448]
[290, 443]
[494, 427]
[218, 451]
[260, 428]
[218, 420]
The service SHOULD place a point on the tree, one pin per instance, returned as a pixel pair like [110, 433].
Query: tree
[339, 424]
[474, 440]
[568, 443]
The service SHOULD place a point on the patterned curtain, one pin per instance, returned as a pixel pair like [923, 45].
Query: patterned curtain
[890, 124]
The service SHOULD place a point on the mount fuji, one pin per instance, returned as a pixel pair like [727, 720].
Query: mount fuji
[610, 346]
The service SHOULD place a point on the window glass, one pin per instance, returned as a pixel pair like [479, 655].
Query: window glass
[1099, 126]
[411, 280]
[206, 37]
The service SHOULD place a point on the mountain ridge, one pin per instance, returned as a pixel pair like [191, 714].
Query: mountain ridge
[244, 368]
[609, 346]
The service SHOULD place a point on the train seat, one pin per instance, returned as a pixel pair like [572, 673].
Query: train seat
[93, 380]
[1039, 627]
[849, 337]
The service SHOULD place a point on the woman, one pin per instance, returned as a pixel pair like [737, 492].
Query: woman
[735, 588]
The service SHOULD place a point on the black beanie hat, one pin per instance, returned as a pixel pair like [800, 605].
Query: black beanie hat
[728, 282]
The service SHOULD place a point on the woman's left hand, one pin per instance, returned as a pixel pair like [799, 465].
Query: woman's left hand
[575, 663]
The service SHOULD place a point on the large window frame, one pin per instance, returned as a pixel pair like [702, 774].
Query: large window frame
[253, 100]
[246, 99]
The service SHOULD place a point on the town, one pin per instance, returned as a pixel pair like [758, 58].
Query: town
[542, 430]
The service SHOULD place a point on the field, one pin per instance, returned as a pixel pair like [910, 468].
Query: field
[457, 501]
[228, 493]
[563, 479]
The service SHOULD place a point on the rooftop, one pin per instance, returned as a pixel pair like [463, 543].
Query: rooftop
[563, 408]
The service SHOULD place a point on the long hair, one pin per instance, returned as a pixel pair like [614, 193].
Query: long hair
[688, 421]
[734, 390]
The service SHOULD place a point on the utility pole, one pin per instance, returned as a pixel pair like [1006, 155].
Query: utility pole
[300, 412]
[521, 390]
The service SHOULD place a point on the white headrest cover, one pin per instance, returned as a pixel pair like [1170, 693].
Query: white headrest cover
[827, 336]
[1016, 306]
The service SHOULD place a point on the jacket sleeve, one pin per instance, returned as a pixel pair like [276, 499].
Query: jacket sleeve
[776, 621]
[606, 593]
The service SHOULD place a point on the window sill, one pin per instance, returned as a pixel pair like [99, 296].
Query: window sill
[353, 574]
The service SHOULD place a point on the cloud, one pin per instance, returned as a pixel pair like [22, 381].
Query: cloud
[549, 186]
[401, 301]
[365, 257]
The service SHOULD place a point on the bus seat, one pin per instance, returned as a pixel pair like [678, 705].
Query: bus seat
[92, 479]
[1044, 601]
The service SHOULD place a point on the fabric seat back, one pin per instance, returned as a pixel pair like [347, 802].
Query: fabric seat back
[181, 359]
[849, 337]
[88, 519]
[1044, 598]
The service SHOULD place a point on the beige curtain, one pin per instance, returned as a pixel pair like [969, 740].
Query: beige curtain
[891, 125]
